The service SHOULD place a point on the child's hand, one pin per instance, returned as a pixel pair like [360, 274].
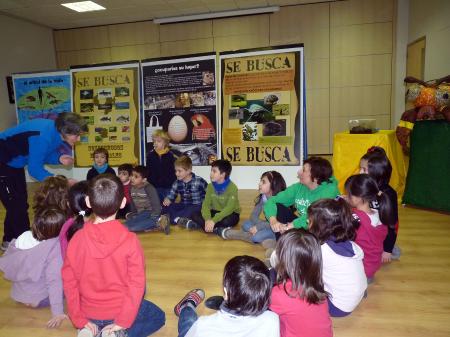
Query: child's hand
[386, 257]
[93, 327]
[109, 329]
[253, 230]
[209, 226]
[166, 202]
[56, 321]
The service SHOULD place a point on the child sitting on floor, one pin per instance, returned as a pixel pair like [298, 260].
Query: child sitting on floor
[243, 313]
[104, 271]
[145, 205]
[124, 174]
[33, 263]
[101, 165]
[220, 209]
[160, 163]
[190, 188]
[257, 230]
[299, 296]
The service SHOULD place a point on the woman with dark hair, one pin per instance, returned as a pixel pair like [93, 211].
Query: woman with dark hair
[244, 311]
[33, 143]
[299, 296]
[316, 182]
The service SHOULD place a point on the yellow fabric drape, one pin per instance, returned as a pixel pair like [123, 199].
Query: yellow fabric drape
[349, 148]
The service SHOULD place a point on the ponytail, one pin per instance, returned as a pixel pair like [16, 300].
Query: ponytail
[385, 210]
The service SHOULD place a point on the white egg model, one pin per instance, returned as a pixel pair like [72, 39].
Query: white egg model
[177, 129]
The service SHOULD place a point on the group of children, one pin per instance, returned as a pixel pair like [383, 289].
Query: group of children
[324, 248]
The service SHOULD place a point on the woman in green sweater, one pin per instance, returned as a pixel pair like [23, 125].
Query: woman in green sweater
[316, 182]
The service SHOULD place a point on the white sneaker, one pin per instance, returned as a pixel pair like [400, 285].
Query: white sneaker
[85, 332]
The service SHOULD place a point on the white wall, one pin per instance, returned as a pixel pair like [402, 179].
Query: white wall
[25, 47]
[431, 19]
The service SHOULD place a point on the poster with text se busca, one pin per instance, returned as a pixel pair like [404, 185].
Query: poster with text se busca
[41, 94]
[263, 106]
[107, 97]
[180, 98]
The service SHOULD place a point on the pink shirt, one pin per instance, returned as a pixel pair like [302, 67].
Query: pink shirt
[63, 236]
[370, 237]
[298, 318]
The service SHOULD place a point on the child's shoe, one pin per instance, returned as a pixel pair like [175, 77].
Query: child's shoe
[85, 332]
[164, 224]
[194, 297]
[214, 302]
[119, 333]
[186, 223]
[396, 252]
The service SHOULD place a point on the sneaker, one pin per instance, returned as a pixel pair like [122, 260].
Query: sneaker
[118, 333]
[182, 222]
[214, 302]
[223, 233]
[396, 252]
[4, 246]
[85, 332]
[195, 297]
[164, 224]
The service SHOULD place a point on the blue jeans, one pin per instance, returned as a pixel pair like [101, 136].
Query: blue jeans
[187, 318]
[180, 210]
[261, 234]
[149, 319]
[142, 221]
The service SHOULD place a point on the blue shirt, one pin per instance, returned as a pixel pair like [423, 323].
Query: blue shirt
[33, 143]
[192, 192]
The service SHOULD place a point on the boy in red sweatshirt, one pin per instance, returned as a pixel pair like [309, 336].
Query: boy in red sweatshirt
[104, 271]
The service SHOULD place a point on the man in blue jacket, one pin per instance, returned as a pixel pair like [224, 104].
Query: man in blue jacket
[34, 143]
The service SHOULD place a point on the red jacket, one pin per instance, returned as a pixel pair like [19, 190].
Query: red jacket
[104, 274]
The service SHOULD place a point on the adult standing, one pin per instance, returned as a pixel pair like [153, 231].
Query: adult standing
[34, 143]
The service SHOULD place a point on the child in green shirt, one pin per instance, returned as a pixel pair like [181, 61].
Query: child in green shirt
[220, 209]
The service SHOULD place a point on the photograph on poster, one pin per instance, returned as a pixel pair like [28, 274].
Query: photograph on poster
[122, 92]
[87, 94]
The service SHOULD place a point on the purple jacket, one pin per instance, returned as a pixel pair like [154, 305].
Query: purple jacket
[35, 273]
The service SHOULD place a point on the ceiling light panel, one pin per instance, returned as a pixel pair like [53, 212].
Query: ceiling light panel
[84, 6]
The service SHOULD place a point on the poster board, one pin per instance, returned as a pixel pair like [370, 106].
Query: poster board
[107, 96]
[179, 96]
[262, 106]
[41, 94]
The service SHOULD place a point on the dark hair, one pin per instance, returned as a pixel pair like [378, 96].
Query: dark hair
[52, 192]
[331, 217]
[378, 165]
[141, 170]
[101, 150]
[125, 167]
[77, 204]
[70, 123]
[277, 183]
[363, 186]
[321, 169]
[248, 286]
[300, 260]
[47, 223]
[105, 195]
[223, 165]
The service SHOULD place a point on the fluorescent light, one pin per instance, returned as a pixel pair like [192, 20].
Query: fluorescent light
[84, 6]
[212, 15]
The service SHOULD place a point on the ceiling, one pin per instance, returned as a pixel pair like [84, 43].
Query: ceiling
[51, 14]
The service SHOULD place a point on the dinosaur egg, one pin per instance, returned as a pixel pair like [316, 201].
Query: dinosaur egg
[177, 129]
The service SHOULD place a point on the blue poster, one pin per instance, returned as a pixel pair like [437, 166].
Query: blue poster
[41, 95]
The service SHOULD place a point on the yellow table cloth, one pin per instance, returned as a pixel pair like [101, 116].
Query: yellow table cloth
[349, 148]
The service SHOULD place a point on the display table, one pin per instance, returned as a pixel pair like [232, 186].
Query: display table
[428, 182]
[349, 148]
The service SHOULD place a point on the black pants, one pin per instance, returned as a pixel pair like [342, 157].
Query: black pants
[284, 215]
[13, 194]
[229, 221]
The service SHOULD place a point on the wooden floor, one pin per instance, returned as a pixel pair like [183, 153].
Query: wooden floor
[410, 297]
